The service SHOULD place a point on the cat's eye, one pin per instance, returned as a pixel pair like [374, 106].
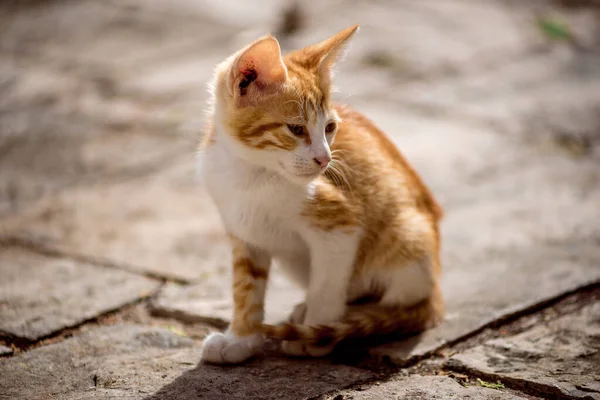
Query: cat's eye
[297, 130]
[330, 127]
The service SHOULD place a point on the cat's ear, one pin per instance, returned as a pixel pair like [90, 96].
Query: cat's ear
[257, 71]
[334, 47]
[323, 55]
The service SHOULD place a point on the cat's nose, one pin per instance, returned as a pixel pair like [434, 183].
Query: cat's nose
[322, 160]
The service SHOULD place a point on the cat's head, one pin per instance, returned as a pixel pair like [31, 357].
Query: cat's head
[275, 110]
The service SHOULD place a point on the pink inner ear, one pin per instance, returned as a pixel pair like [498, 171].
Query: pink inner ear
[249, 75]
[250, 71]
[261, 64]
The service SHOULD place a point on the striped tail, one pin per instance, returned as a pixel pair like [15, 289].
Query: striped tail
[362, 321]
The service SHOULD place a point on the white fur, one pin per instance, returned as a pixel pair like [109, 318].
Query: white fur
[332, 262]
[263, 208]
[226, 348]
[408, 285]
[400, 285]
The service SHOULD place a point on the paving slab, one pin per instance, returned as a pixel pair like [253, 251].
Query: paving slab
[548, 99]
[78, 106]
[148, 225]
[560, 358]
[424, 387]
[122, 361]
[132, 362]
[60, 128]
[273, 377]
[41, 295]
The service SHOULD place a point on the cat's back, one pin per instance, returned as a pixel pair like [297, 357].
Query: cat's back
[375, 166]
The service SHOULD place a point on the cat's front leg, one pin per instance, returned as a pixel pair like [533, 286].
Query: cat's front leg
[332, 263]
[242, 339]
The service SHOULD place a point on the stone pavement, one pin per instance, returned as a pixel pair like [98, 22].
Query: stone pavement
[113, 264]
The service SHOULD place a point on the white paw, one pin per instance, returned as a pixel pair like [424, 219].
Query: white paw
[226, 348]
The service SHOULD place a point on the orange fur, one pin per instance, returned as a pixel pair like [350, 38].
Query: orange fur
[248, 276]
[385, 196]
[368, 189]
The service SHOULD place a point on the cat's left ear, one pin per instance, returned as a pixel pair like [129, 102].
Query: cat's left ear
[257, 72]
[329, 51]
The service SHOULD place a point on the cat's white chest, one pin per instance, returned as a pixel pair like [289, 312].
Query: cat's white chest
[257, 211]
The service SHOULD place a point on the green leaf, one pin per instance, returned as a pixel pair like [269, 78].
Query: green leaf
[554, 28]
[498, 385]
[176, 331]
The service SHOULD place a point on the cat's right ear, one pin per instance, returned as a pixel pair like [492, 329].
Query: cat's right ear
[257, 72]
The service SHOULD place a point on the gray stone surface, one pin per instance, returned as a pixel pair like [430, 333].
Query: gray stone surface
[549, 101]
[78, 107]
[5, 351]
[560, 358]
[60, 128]
[122, 361]
[273, 377]
[424, 387]
[40, 295]
[132, 362]
[149, 225]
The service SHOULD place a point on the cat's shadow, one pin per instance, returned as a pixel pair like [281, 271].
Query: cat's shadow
[275, 376]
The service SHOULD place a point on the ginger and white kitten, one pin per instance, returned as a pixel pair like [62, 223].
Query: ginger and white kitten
[319, 190]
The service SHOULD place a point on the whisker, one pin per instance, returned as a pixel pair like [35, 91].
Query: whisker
[340, 163]
[332, 174]
[341, 181]
[338, 151]
[337, 174]
[346, 96]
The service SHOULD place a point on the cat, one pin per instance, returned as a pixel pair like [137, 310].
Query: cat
[320, 190]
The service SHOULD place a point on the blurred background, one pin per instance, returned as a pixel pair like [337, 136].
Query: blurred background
[495, 102]
[104, 90]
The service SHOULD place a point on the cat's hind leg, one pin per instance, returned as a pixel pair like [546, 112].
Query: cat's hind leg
[332, 260]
